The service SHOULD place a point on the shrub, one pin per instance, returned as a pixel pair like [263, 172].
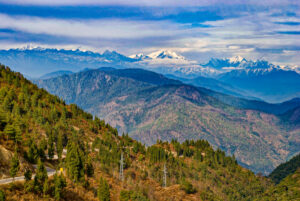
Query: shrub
[187, 187]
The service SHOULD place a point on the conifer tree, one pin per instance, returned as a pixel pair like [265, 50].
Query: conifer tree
[40, 177]
[32, 154]
[59, 184]
[2, 195]
[103, 190]
[50, 146]
[89, 169]
[75, 161]
[14, 165]
[10, 131]
[59, 145]
[3, 120]
[46, 187]
[28, 175]
[7, 104]
[18, 135]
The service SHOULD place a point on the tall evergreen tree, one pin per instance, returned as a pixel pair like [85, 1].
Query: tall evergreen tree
[103, 190]
[2, 195]
[75, 161]
[59, 145]
[59, 184]
[40, 176]
[28, 175]
[10, 132]
[50, 146]
[14, 165]
[89, 169]
[46, 188]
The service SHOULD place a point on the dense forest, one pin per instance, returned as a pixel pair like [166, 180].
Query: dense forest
[39, 131]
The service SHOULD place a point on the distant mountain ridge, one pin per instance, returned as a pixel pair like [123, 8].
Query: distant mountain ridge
[39, 61]
[236, 76]
[56, 74]
[271, 84]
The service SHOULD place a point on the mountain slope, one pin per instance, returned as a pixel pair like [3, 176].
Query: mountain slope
[212, 84]
[195, 170]
[287, 189]
[56, 74]
[149, 111]
[285, 169]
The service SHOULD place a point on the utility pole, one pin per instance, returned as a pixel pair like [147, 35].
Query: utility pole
[165, 175]
[121, 167]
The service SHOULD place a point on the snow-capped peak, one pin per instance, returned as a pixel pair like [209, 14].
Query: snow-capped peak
[139, 56]
[165, 54]
[236, 59]
[31, 47]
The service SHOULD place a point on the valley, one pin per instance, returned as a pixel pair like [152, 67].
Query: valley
[151, 107]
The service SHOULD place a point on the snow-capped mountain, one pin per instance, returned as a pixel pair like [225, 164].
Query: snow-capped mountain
[37, 61]
[169, 62]
[165, 54]
[237, 59]
[165, 57]
[161, 54]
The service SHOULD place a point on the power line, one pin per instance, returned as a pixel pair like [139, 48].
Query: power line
[165, 175]
[122, 167]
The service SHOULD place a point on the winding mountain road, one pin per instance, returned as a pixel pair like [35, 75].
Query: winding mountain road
[50, 172]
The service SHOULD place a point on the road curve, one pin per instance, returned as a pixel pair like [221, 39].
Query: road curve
[50, 172]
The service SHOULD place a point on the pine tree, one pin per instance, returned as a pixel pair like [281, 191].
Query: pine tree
[75, 161]
[40, 177]
[7, 104]
[2, 195]
[18, 135]
[28, 175]
[33, 153]
[10, 132]
[3, 120]
[14, 165]
[59, 184]
[103, 190]
[89, 169]
[46, 188]
[50, 146]
[59, 145]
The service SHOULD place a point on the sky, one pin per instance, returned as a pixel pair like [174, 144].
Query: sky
[199, 30]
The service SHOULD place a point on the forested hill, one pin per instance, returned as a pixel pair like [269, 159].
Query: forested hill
[37, 127]
[285, 169]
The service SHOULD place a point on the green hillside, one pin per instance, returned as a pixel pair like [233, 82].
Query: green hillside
[287, 189]
[285, 169]
[150, 109]
[37, 126]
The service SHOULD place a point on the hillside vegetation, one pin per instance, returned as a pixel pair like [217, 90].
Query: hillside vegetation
[37, 126]
[151, 107]
[285, 169]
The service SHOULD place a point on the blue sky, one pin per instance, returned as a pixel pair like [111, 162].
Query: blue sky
[268, 29]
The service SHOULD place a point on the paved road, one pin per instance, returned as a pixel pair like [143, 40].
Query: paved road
[50, 172]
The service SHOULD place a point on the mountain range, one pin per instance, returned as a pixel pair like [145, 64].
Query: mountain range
[237, 76]
[151, 107]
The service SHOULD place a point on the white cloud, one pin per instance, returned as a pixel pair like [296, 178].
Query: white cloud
[103, 28]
